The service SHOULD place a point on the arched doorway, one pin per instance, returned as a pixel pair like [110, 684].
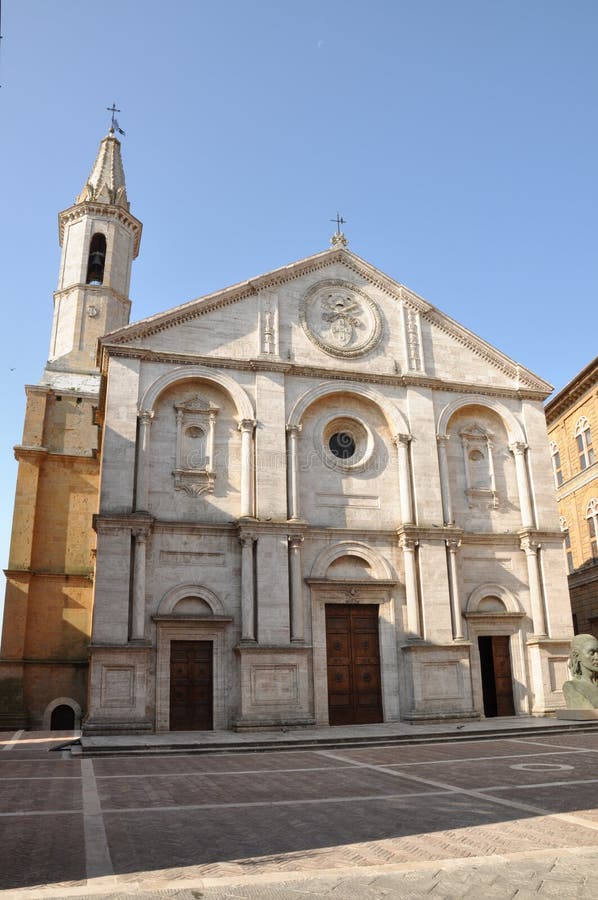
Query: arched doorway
[62, 718]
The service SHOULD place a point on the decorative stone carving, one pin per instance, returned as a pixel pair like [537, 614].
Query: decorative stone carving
[340, 318]
[479, 467]
[582, 691]
[195, 424]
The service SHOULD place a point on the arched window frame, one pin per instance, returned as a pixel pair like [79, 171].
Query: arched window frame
[95, 267]
[583, 438]
[567, 544]
[557, 470]
[592, 520]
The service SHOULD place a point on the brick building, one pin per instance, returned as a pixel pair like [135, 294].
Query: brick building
[572, 418]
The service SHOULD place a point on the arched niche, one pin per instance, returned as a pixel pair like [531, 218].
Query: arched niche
[394, 417]
[181, 374]
[190, 600]
[480, 601]
[378, 567]
[513, 428]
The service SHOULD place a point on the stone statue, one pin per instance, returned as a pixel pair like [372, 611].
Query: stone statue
[582, 691]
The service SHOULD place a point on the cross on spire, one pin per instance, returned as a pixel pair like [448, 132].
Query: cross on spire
[339, 221]
[338, 239]
[114, 126]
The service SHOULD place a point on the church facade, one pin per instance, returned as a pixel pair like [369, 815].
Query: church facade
[321, 501]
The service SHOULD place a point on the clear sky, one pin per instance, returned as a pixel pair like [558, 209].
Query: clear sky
[458, 138]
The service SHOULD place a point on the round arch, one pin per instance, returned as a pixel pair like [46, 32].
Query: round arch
[379, 566]
[492, 590]
[514, 429]
[186, 591]
[188, 373]
[395, 418]
[61, 701]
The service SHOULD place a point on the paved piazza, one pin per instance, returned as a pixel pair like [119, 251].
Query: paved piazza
[505, 817]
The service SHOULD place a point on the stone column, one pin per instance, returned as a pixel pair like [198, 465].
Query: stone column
[138, 610]
[408, 546]
[246, 427]
[210, 468]
[525, 499]
[530, 548]
[297, 617]
[405, 495]
[445, 486]
[452, 547]
[247, 588]
[293, 432]
[141, 495]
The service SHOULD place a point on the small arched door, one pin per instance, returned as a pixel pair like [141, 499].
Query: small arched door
[63, 718]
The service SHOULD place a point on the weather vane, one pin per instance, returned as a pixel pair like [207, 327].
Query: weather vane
[114, 124]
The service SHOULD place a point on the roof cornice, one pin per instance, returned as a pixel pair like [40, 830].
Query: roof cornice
[257, 364]
[107, 211]
[581, 384]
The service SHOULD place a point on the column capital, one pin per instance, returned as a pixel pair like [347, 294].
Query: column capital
[407, 544]
[443, 438]
[145, 416]
[295, 541]
[401, 439]
[294, 429]
[529, 546]
[247, 539]
[246, 425]
[140, 534]
[453, 544]
[518, 448]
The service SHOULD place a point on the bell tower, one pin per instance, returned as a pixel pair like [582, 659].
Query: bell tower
[99, 239]
[49, 579]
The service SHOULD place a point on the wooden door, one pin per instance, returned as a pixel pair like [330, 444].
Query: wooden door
[497, 682]
[353, 656]
[191, 686]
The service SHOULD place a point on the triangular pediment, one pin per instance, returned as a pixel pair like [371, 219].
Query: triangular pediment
[322, 309]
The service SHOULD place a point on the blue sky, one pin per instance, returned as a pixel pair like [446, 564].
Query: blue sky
[458, 138]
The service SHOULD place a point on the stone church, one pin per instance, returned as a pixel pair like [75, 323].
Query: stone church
[308, 498]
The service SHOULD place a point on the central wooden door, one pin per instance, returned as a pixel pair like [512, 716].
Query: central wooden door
[191, 686]
[497, 681]
[353, 664]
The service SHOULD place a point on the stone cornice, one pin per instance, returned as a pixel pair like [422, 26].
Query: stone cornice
[584, 382]
[106, 211]
[43, 661]
[577, 482]
[94, 289]
[40, 573]
[310, 371]
[48, 389]
[37, 454]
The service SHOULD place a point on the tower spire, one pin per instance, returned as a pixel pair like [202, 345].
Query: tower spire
[106, 182]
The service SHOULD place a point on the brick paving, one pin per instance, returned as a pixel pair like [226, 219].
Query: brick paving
[505, 817]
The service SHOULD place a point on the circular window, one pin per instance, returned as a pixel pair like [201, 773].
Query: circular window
[342, 445]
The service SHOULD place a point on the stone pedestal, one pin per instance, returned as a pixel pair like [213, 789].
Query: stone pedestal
[275, 689]
[437, 682]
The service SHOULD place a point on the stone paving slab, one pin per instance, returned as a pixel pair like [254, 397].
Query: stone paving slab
[226, 762]
[459, 820]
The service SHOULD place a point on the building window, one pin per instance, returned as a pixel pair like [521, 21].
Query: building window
[592, 518]
[567, 544]
[583, 436]
[556, 464]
